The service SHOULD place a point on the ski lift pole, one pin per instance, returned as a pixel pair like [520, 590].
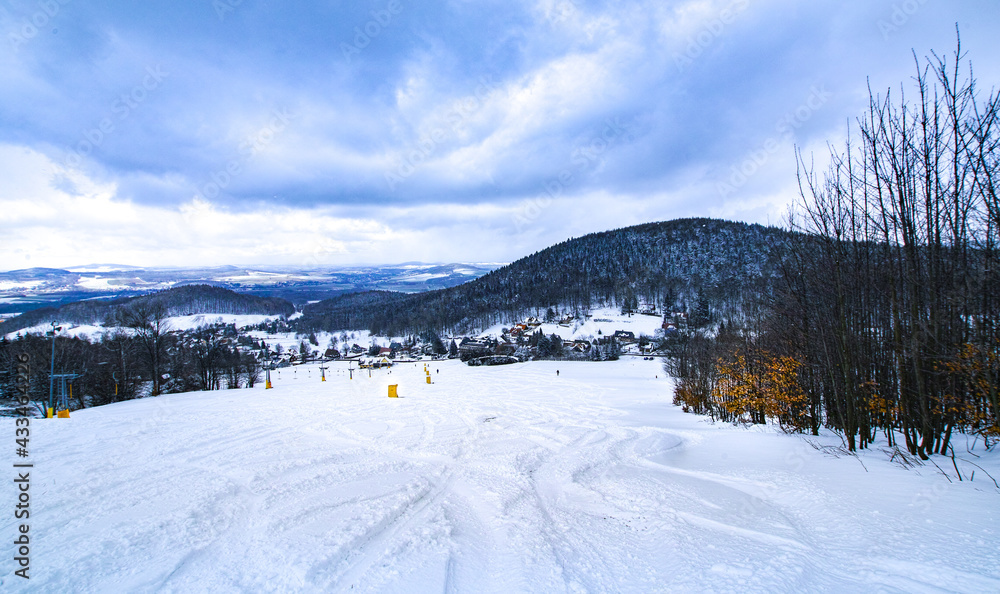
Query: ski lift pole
[52, 368]
[267, 368]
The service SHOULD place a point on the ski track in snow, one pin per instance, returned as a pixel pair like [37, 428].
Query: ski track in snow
[505, 479]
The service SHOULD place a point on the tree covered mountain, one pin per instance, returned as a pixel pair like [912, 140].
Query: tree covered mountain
[186, 300]
[707, 265]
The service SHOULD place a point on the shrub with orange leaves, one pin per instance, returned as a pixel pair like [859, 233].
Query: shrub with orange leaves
[762, 387]
[977, 371]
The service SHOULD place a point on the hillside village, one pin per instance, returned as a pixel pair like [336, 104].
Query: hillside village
[592, 336]
[232, 351]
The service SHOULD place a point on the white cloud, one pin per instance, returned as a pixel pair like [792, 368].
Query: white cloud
[56, 217]
[316, 191]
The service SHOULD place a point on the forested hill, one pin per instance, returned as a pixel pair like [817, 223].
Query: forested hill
[682, 264]
[179, 301]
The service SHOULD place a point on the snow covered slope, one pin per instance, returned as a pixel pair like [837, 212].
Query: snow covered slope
[94, 332]
[497, 479]
[606, 320]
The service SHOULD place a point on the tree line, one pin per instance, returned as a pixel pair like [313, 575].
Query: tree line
[673, 265]
[885, 316]
[178, 301]
[140, 355]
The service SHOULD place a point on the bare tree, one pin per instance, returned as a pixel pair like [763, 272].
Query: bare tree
[149, 323]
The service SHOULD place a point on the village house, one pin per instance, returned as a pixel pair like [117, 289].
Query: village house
[505, 348]
[471, 347]
[624, 336]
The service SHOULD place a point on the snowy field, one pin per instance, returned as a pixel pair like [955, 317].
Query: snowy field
[192, 322]
[607, 320]
[502, 479]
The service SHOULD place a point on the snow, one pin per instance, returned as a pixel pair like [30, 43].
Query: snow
[289, 340]
[88, 331]
[94, 332]
[263, 277]
[96, 283]
[103, 268]
[608, 320]
[419, 278]
[496, 479]
[20, 285]
[198, 320]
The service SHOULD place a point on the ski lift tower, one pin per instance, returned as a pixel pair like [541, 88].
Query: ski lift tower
[52, 366]
[267, 369]
[65, 378]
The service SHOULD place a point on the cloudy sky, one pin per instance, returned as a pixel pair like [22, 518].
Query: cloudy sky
[316, 134]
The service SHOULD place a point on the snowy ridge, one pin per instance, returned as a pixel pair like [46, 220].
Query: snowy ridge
[94, 332]
[606, 320]
[497, 479]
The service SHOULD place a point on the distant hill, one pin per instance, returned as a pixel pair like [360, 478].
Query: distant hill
[34, 274]
[186, 300]
[33, 288]
[685, 264]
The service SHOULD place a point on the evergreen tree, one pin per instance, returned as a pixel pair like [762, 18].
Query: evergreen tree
[613, 350]
[555, 346]
[702, 314]
[432, 338]
[543, 345]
